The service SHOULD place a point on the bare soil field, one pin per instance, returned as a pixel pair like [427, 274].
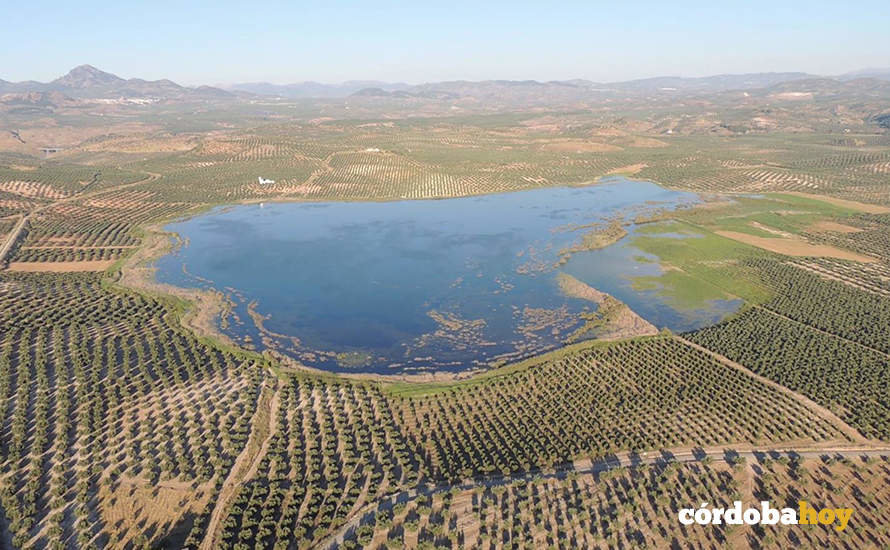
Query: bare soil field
[853, 205]
[61, 267]
[630, 169]
[833, 227]
[136, 510]
[795, 247]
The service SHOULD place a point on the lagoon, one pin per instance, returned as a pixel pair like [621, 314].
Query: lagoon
[415, 286]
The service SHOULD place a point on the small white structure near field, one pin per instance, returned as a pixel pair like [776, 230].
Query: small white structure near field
[264, 181]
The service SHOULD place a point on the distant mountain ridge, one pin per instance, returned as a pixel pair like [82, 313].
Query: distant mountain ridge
[88, 82]
[880, 74]
[715, 83]
[315, 89]
[448, 88]
[579, 91]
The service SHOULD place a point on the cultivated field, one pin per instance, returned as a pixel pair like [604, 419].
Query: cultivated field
[122, 427]
[633, 506]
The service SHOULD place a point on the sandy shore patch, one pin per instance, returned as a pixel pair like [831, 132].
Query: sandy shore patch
[795, 247]
[630, 169]
[206, 305]
[773, 230]
[62, 267]
[833, 227]
[614, 319]
[852, 205]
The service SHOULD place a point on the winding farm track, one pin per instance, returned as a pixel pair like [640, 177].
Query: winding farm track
[605, 464]
[262, 429]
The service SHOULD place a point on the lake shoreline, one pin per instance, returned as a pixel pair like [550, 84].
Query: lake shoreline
[211, 305]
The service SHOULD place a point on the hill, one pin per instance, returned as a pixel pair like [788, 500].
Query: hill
[88, 82]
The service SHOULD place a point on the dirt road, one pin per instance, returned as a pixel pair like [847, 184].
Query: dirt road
[12, 238]
[262, 429]
[823, 412]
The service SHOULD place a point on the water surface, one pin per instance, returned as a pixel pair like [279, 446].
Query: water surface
[421, 285]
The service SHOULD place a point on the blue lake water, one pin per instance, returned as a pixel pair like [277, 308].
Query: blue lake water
[421, 285]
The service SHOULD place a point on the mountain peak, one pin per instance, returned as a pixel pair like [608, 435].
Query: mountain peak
[85, 76]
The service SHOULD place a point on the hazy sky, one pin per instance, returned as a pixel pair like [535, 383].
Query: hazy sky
[420, 41]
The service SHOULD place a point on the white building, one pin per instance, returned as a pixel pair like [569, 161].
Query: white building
[264, 181]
